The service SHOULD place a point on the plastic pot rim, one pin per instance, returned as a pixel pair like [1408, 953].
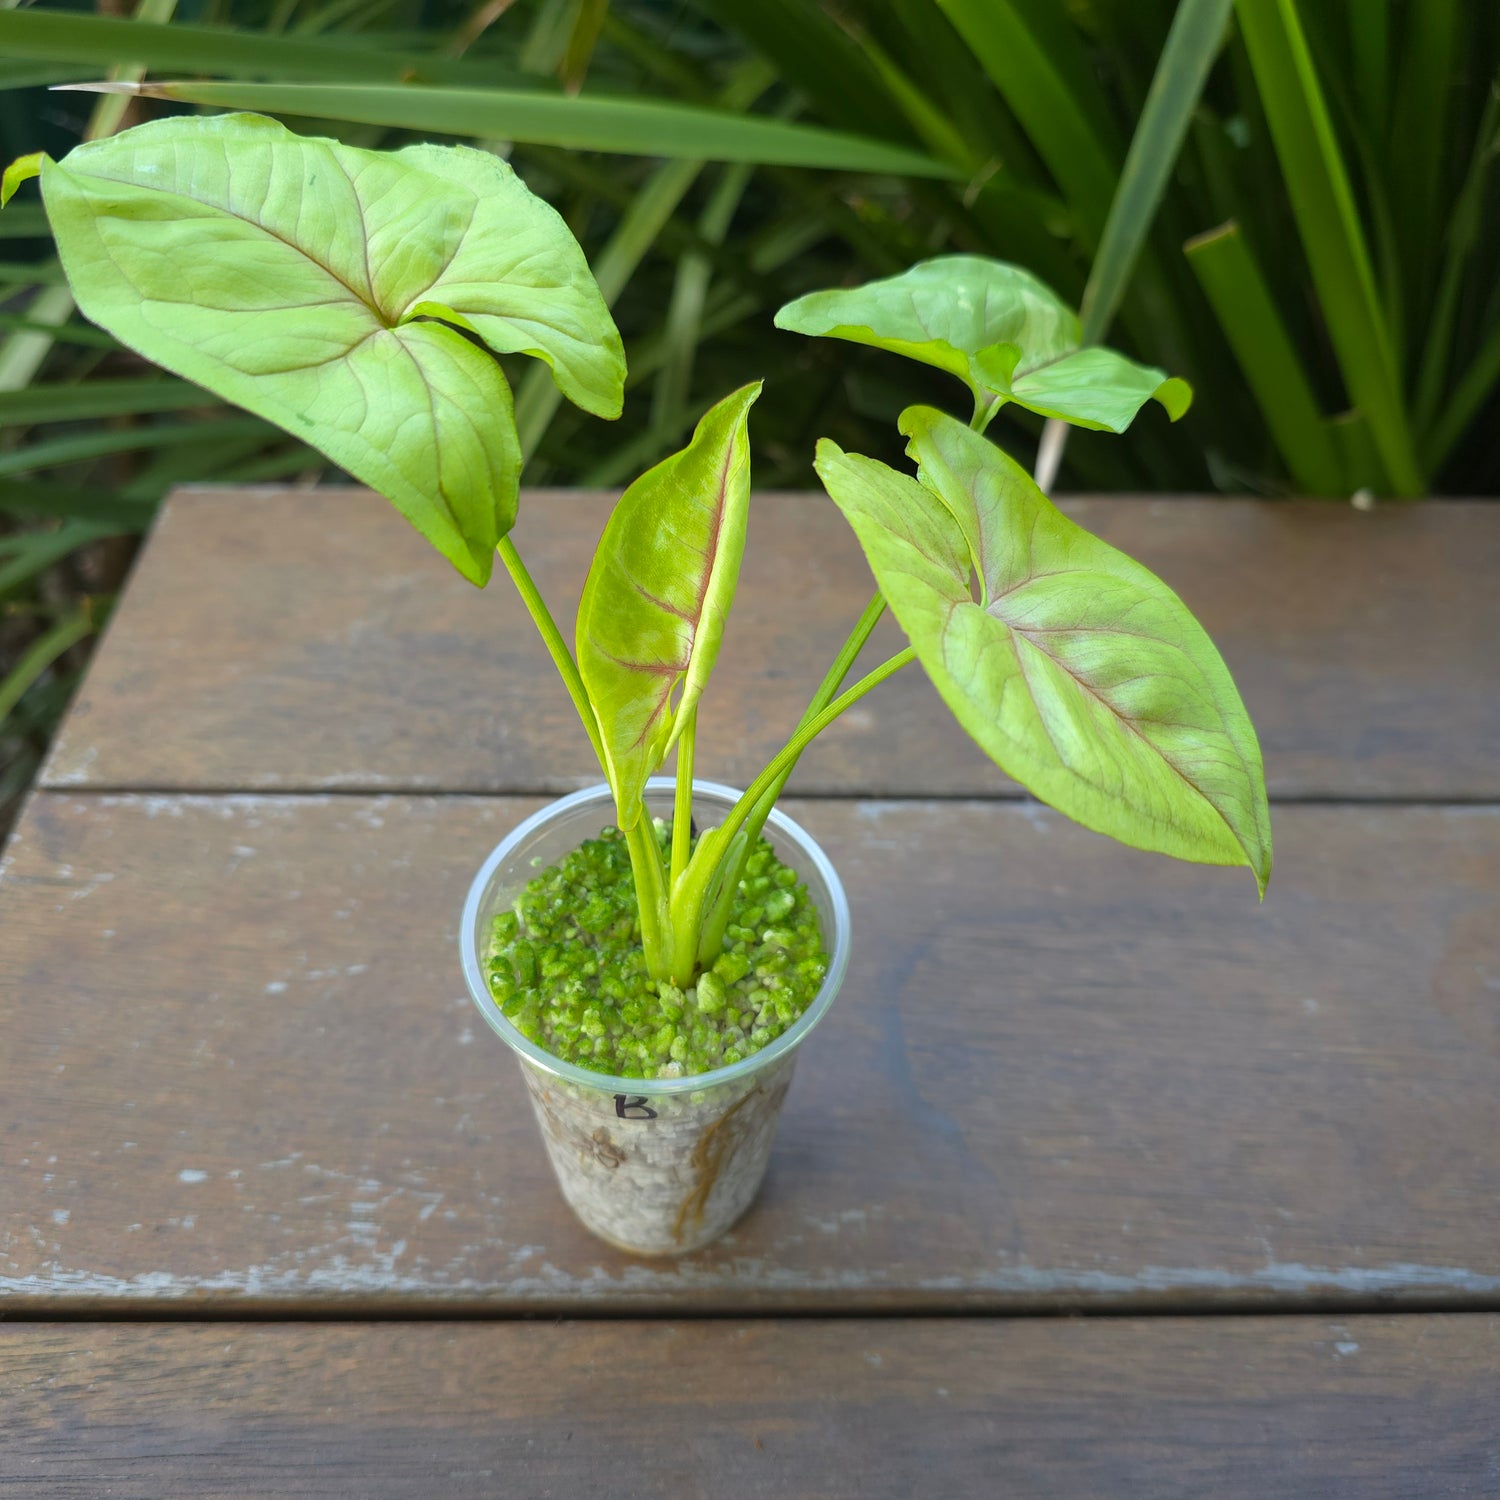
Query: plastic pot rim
[837, 944]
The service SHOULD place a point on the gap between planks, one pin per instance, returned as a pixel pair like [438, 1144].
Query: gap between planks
[395, 788]
[352, 1310]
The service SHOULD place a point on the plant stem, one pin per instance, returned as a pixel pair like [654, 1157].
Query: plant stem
[556, 646]
[985, 412]
[41, 654]
[786, 757]
[721, 894]
[833, 678]
[689, 897]
[650, 895]
[682, 810]
[718, 900]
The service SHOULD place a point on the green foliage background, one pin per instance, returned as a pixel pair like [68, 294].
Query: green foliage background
[1328, 235]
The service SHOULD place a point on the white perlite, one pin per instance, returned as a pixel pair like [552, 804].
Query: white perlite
[660, 1174]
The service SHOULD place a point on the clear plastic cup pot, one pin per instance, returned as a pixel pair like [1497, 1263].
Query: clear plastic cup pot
[665, 1165]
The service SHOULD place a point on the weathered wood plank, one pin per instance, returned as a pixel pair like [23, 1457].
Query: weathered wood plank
[1291, 1407]
[309, 640]
[239, 1068]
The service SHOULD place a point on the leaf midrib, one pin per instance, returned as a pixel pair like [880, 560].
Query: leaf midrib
[1130, 724]
[355, 294]
[1014, 630]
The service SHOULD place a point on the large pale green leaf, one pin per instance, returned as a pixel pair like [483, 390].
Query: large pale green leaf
[658, 593]
[334, 291]
[999, 330]
[1076, 669]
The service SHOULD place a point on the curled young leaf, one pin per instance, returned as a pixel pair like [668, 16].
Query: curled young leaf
[22, 169]
[344, 295]
[658, 594]
[999, 330]
[1076, 669]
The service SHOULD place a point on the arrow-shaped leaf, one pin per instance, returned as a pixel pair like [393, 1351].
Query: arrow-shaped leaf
[658, 593]
[1076, 669]
[1000, 331]
[330, 290]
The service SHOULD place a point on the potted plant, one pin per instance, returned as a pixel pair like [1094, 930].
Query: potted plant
[655, 950]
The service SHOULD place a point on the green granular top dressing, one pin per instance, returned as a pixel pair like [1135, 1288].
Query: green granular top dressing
[565, 965]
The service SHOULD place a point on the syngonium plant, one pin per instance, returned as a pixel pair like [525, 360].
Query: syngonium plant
[358, 299]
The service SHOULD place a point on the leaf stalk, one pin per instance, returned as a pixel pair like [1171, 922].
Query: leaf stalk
[690, 897]
[557, 647]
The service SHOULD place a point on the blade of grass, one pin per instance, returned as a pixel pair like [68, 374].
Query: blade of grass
[684, 321]
[36, 499]
[1463, 236]
[1473, 389]
[350, 15]
[73, 450]
[582, 40]
[1329, 227]
[24, 221]
[538, 397]
[726, 305]
[41, 654]
[15, 778]
[218, 460]
[941, 63]
[1196, 34]
[31, 552]
[1390, 272]
[1243, 305]
[652, 57]
[109, 112]
[1370, 49]
[32, 75]
[1359, 459]
[547, 40]
[25, 349]
[106, 41]
[479, 20]
[99, 398]
[816, 57]
[295, 459]
[931, 126]
[619, 126]
[30, 273]
[1419, 156]
[1193, 42]
[1036, 85]
[84, 337]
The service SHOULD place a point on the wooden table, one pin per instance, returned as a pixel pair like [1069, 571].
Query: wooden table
[273, 1214]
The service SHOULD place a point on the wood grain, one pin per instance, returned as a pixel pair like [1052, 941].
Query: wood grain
[310, 640]
[240, 1069]
[1134, 1410]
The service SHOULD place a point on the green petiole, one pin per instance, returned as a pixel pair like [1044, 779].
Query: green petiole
[689, 898]
[556, 646]
[721, 896]
[651, 894]
[682, 810]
